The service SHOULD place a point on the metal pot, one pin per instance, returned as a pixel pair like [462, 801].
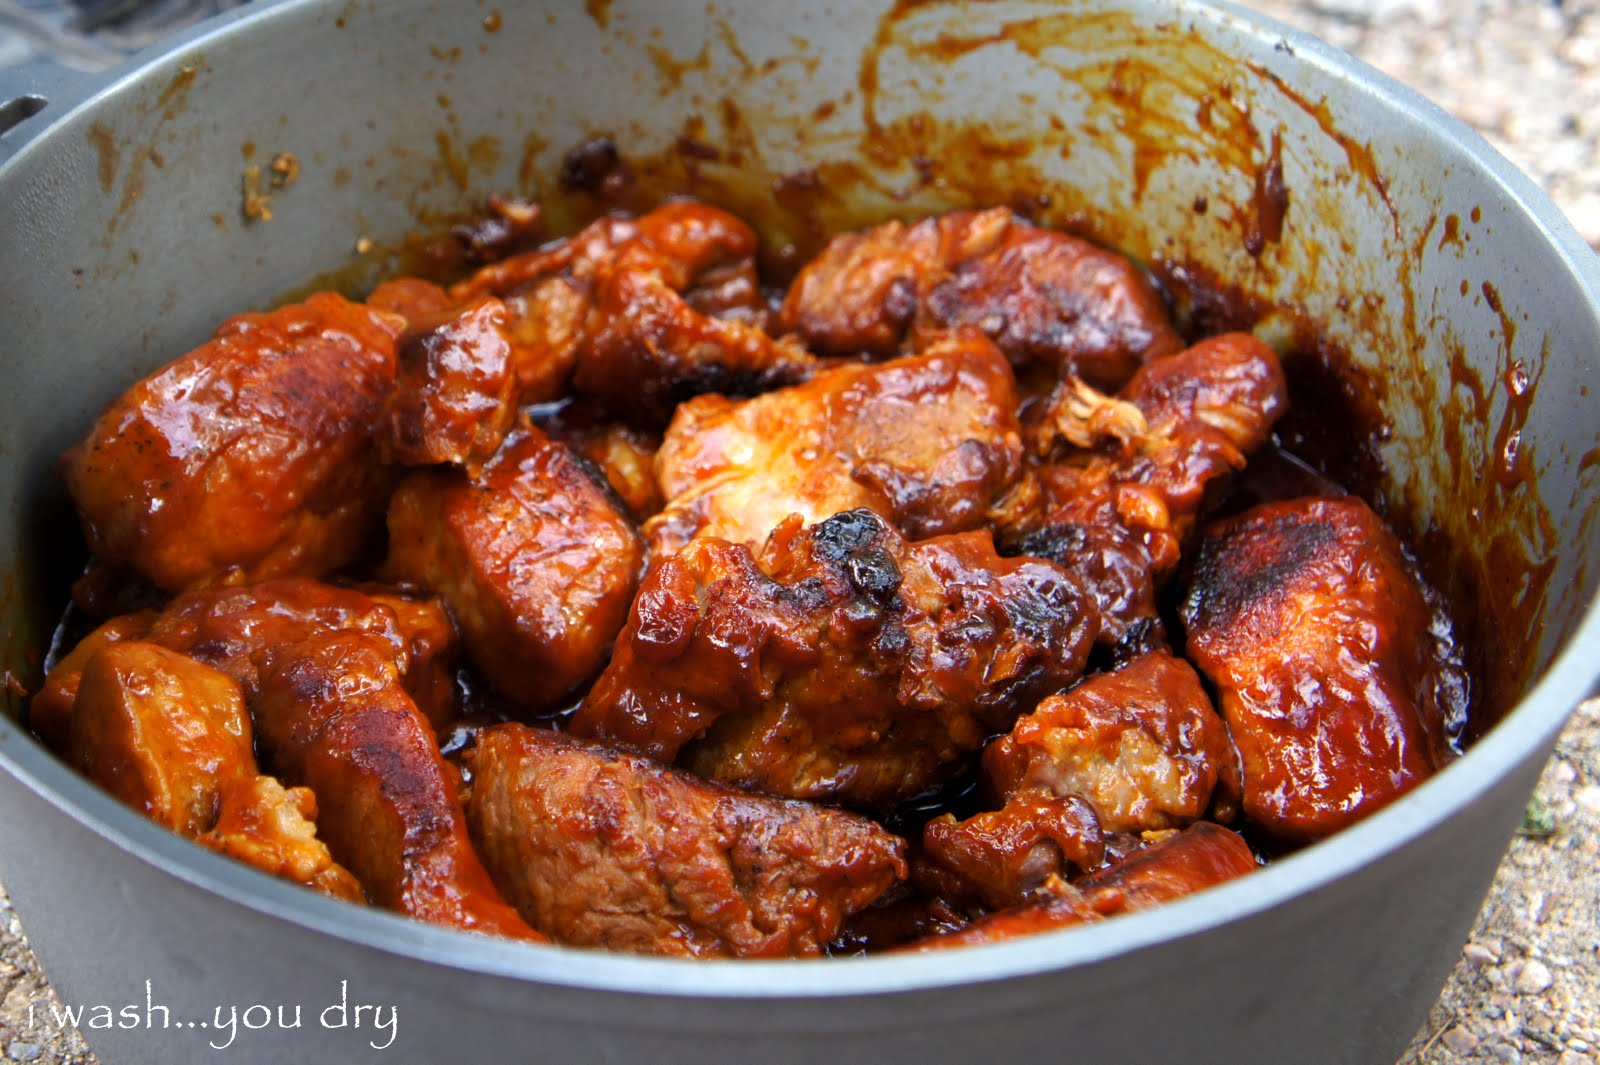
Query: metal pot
[1167, 127]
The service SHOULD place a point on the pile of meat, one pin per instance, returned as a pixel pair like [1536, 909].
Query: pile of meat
[611, 598]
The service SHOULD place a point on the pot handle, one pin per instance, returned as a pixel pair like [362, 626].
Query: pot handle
[61, 60]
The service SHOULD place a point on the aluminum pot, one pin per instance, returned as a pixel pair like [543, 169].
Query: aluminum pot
[1188, 134]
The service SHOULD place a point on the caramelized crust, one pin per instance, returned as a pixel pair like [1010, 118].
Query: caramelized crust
[248, 458]
[598, 848]
[1201, 856]
[455, 394]
[331, 714]
[534, 560]
[50, 711]
[1040, 295]
[929, 442]
[1308, 619]
[845, 664]
[1005, 856]
[1123, 480]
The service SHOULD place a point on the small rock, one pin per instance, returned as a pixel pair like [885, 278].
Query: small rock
[1479, 955]
[1572, 1057]
[20, 1051]
[1507, 1053]
[1588, 798]
[1534, 978]
[1460, 1041]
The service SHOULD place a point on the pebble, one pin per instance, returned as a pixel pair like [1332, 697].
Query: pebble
[20, 1051]
[1460, 1041]
[1588, 798]
[1507, 1053]
[1572, 1057]
[1479, 955]
[1534, 978]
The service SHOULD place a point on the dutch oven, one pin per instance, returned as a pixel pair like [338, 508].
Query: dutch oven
[1436, 309]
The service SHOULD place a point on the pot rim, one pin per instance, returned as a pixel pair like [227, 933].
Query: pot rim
[1524, 733]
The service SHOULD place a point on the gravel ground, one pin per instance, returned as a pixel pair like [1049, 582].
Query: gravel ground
[1527, 75]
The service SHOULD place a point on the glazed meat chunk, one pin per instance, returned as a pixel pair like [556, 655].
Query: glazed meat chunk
[250, 457]
[1309, 620]
[929, 442]
[647, 346]
[331, 715]
[598, 848]
[455, 393]
[644, 312]
[1041, 295]
[170, 738]
[535, 560]
[1123, 480]
[161, 732]
[1201, 856]
[1142, 744]
[225, 627]
[625, 453]
[843, 664]
[1134, 751]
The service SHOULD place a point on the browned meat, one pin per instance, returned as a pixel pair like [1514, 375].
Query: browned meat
[331, 714]
[534, 560]
[929, 442]
[273, 828]
[161, 732]
[1124, 479]
[625, 453]
[455, 394]
[647, 347]
[1143, 745]
[225, 627]
[411, 298]
[248, 458]
[845, 664]
[1039, 294]
[1312, 625]
[1005, 856]
[598, 848]
[50, 711]
[1201, 856]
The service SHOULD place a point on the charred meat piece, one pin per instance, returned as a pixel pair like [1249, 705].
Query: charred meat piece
[534, 559]
[1123, 480]
[647, 347]
[331, 714]
[264, 824]
[250, 457]
[598, 848]
[1315, 630]
[161, 732]
[1201, 856]
[455, 393]
[844, 664]
[1041, 295]
[929, 442]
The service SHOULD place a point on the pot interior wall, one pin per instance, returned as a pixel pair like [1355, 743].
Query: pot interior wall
[1226, 159]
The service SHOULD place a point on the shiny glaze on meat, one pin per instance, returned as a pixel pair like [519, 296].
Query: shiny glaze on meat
[929, 442]
[249, 458]
[1309, 620]
[841, 664]
[331, 714]
[600, 848]
[535, 560]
